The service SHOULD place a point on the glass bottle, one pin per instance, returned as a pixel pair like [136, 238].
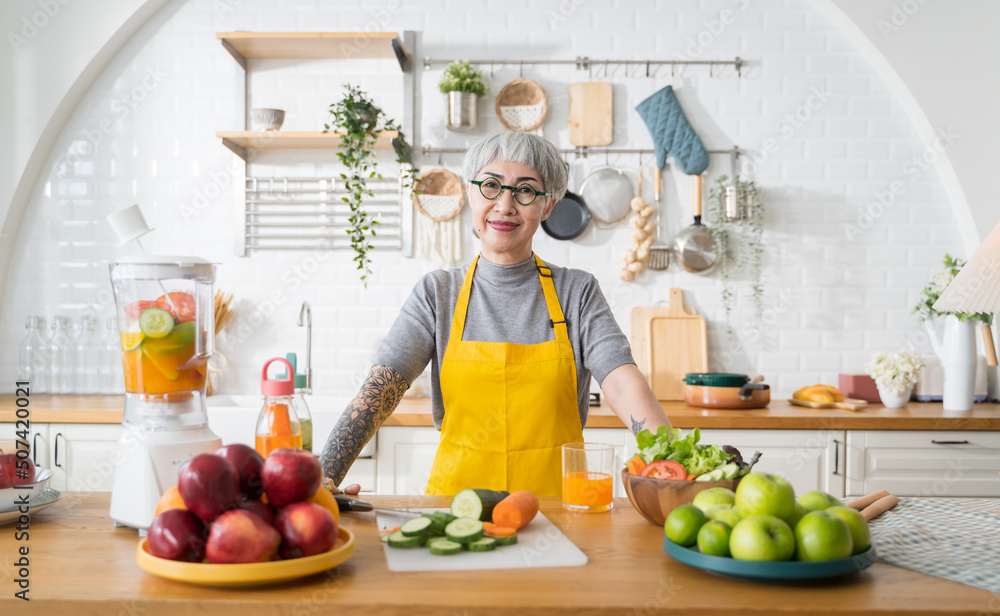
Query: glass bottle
[87, 357]
[33, 365]
[301, 408]
[112, 371]
[60, 349]
[278, 422]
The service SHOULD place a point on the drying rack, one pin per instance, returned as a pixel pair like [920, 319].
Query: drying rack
[302, 213]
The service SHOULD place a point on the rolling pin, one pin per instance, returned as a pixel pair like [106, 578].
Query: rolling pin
[879, 507]
[866, 500]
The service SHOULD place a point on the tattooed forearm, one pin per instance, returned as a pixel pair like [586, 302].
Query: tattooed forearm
[636, 425]
[377, 399]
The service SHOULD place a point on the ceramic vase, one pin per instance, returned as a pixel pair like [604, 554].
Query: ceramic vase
[895, 401]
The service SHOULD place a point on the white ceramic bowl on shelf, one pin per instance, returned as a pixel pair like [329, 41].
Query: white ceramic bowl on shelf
[267, 119]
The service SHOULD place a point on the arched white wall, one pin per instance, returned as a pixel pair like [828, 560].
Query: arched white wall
[52, 52]
[939, 58]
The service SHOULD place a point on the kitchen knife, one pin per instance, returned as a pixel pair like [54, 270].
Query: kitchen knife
[355, 505]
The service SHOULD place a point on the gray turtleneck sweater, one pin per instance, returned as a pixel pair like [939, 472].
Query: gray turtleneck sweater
[506, 305]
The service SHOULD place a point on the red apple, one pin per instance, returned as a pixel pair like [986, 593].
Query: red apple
[239, 536]
[306, 529]
[178, 534]
[290, 475]
[209, 485]
[248, 463]
[261, 508]
[15, 471]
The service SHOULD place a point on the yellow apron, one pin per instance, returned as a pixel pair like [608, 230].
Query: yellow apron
[508, 407]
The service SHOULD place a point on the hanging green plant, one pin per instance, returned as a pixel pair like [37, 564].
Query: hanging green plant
[361, 122]
[745, 233]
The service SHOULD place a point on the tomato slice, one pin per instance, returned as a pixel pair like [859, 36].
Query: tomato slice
[134, 309]
[183, 302]
[665, 469]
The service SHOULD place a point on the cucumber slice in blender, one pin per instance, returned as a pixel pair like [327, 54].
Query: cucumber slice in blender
[156, 322]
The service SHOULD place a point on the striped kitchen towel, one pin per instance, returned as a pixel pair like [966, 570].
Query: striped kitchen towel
[952, 538]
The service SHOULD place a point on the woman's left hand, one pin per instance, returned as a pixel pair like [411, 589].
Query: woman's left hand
[352, 489]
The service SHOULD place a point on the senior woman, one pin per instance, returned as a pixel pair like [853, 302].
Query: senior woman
[512, 342]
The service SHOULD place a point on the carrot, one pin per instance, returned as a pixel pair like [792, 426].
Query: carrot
[492, 530]
[388, 530]
[516, 510]
[635, 464]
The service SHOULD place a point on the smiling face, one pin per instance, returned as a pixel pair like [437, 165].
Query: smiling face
[505, 227]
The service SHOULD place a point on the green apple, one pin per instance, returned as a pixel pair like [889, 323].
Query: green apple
[725, 513]
[713, 538]
[822, 536]
[762, 537]
[765, 494]
[713, 496]
[683, 523]
[818, 501]
[856, 523]
[797, 515]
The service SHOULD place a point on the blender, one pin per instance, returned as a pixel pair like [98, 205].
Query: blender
[166, 323]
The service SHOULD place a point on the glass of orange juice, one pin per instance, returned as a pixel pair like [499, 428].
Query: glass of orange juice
[587, 480]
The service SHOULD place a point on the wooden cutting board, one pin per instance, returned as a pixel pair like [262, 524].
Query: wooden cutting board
[667, 343]
[591, 114]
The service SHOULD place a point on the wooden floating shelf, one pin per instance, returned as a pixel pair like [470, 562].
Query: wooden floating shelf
[313, 45]
[276, 140]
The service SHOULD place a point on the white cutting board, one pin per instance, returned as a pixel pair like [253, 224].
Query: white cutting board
[539, 544]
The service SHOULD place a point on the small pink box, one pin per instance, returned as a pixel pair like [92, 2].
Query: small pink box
[859, 386]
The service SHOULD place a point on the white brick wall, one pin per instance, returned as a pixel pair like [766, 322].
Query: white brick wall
[849, 297]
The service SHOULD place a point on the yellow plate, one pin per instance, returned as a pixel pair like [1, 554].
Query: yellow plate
[210, 574]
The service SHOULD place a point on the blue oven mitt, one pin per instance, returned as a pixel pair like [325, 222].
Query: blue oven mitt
[672, 134]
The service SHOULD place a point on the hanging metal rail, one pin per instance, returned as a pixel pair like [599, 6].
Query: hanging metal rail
[585, 63]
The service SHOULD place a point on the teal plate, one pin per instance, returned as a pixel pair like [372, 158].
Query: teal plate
[770, 571]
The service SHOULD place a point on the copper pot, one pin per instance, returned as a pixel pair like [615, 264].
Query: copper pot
[719, 390]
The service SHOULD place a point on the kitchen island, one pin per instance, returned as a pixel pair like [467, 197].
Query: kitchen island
[81, 565]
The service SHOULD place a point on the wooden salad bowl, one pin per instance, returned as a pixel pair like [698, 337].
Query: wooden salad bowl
[656, 498]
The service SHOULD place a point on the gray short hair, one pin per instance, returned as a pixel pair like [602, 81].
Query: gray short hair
[527, 149]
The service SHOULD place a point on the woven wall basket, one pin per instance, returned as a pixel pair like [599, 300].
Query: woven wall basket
[522, 105]
[441, 194]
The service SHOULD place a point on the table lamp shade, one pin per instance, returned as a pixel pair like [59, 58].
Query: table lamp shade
[976, 288]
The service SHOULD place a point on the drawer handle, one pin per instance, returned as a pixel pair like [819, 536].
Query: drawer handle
[836, 457]
[34, 448]
[950, 442]
[55, 458]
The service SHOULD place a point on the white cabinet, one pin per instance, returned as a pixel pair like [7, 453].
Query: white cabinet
[923, 463]
[82, 456]
[809, 459]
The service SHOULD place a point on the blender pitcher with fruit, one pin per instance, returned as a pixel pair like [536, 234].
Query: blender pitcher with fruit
[166, 321]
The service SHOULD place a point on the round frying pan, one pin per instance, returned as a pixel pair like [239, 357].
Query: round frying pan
[694, 246]
[569, 218]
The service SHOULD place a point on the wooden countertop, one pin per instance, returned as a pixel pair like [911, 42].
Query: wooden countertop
[80, 564]
[780, 415]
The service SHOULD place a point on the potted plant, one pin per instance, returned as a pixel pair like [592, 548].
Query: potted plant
[745, 232]
[895, 373]
[361, 121]
[956, 348]
[464, 86]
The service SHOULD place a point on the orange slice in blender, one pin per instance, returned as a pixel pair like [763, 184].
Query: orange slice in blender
[132, 338]
[171, 351]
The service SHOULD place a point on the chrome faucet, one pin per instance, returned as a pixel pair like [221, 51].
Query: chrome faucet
[306, 318]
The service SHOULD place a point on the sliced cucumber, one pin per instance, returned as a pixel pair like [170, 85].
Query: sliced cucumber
[464, 530]
[502, 541]
[417, 527]
[443, 547]
[384, 538]
[156, 322]
[484, 544]
[399, 540]
[445, 517]
[476, 503]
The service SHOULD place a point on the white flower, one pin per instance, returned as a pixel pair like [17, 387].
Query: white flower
[895, 371]
[941, 281]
